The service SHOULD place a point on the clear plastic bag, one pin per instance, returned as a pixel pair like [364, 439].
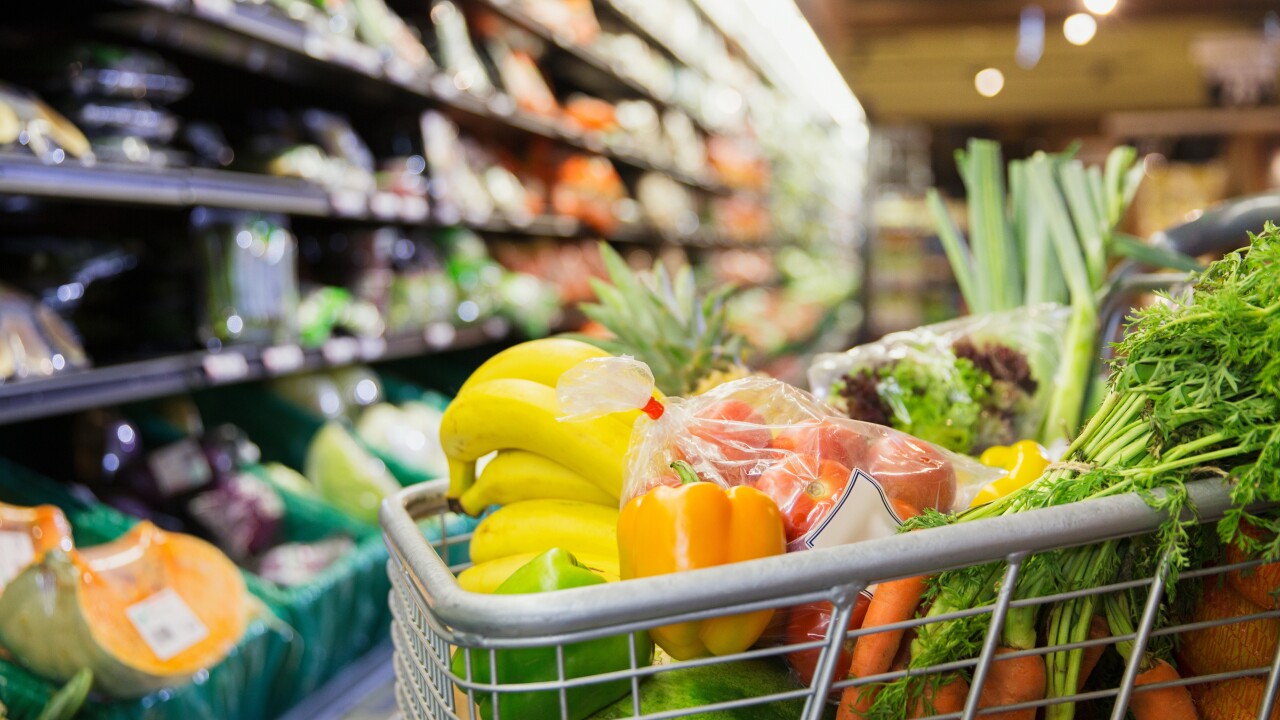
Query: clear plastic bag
[835, 480]
[965, 384]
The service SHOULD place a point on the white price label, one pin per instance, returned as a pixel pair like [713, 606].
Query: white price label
[214, 7]
[439, 334]
[225, 367]
[384, 205]
[16, 552]
[340, 350]
[282, 358]
[372, 348]
[413, 208]
[862, 513]
[180, 467]
[348, 203]
[166, 624]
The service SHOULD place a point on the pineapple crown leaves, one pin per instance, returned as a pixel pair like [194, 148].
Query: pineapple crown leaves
[658, 318]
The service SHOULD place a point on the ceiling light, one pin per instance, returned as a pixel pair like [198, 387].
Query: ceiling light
[989, 82]
[1100, 7]
[1080, 28]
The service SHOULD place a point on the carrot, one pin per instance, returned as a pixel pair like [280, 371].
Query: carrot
[874, 654]
[1170, 703]
[893, 602]
[1098, 629]
[1013, 681]
[947, 698]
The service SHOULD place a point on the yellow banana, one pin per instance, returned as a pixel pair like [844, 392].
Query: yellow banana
[523, 415]
[534, 526]
[541, 361]
[486, 577]
[516, 475]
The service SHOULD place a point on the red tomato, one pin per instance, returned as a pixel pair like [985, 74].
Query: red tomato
[731, 435]
[808, 623]
[805, 489]
[912, 471]
[829, 440]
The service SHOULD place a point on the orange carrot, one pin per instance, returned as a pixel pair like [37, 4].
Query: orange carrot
[1098, 629]
[1171, 703]
[874, 654]
[948, 698]
[893, 602]
[1013, 681]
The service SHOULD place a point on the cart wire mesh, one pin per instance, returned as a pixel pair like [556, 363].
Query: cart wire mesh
[433, 616]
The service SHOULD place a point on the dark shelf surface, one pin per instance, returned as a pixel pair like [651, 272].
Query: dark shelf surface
[144, 379]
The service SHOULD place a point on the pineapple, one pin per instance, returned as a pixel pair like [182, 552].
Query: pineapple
[657, 318]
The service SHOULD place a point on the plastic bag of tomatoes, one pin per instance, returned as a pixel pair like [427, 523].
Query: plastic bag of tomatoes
[835, 480]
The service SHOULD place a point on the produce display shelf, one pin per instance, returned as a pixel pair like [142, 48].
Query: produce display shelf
[187, 187]
[588, 57]
[257, 40]
[145, 379]
[348, 693]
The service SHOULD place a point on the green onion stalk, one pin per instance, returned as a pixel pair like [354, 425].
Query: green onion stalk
[1195, 394]
[1050, 238]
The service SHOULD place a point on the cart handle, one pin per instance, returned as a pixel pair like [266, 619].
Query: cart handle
[829, 570]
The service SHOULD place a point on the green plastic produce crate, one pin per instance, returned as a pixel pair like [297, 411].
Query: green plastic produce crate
[242, 686]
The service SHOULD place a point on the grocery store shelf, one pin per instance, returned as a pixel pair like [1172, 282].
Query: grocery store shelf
[350, 693]
[128, 382]
[253, 38]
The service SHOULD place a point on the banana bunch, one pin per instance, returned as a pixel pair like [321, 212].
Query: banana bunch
[558, 483]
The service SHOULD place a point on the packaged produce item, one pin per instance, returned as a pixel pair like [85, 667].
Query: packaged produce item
[144, 612]
[555, 569]
[34, 340]
[573, 19]
[48, 135]
[26, 534]
[835, 480]
[398, 43]
[410, 433]
[669, 205]
[588, 188]
[458, 56]
[294, 564]
[965, 384]
[251, 277]
[521, 78]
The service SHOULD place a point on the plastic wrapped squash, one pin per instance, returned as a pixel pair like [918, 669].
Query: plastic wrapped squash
[143, 612]
[26, 534]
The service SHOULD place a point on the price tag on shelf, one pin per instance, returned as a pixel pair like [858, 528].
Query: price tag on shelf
[348, 203]
[225, 366]
[166, 623]
[414, 209]
[439, 335]
[400, 72]
[340, 350]
[566, 225]
[16, 552]
[384, 205]
[282, 358]
[179, 467]
[372, 348]
[216, 8]
[593, 141]
[496, 327]
[502, 104]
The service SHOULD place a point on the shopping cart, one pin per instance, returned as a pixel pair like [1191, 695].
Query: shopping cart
[433, 615]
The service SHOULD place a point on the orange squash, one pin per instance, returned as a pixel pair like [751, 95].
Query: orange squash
[143, 612]
[1259, 584]
[1226, 648]
[1234, 700]
[26, 534]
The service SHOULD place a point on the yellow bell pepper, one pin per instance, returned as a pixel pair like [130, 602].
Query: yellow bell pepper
[700, 525]
[1023, 461]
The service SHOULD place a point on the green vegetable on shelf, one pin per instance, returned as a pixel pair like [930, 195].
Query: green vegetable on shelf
[346, 475]
[555, 569]
[67, 701]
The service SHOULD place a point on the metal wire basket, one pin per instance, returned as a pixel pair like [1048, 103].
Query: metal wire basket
[433, 615]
